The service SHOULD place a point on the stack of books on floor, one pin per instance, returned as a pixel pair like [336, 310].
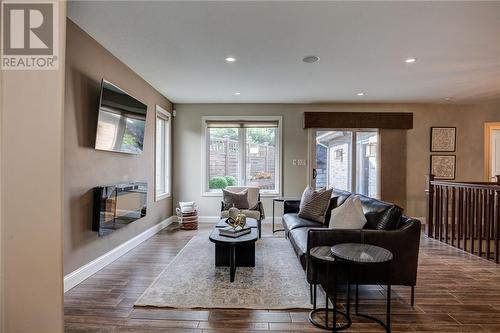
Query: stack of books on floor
[234, 232]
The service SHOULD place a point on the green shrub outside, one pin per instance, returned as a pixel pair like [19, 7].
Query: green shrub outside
[217, 182]
[231, 181]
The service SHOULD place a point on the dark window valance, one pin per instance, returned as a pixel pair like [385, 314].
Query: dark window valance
[383, 120]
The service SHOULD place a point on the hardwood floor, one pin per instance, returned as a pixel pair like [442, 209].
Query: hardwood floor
[456, 292]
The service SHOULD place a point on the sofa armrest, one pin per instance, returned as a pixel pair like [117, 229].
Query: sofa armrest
[404, 243]
[291, 206]
[260, 208]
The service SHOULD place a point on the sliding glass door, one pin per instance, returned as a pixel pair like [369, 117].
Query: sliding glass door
[346, 160]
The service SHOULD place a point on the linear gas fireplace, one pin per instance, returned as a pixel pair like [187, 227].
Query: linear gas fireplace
[118, 205]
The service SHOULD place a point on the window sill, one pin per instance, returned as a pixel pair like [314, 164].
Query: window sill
[262, 194]
[160, 197]
[211, 194]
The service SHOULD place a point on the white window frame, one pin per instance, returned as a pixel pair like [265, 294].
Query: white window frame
[205, 153]
[167, 117]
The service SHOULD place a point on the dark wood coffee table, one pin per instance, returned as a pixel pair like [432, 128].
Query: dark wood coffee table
[234, 252]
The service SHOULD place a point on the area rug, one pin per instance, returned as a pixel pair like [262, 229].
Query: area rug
[191, 280]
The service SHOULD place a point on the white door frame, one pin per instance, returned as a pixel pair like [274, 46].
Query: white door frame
[311, 153]
[488, 130]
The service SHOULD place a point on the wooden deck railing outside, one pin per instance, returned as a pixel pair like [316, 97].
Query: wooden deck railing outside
[465, 215]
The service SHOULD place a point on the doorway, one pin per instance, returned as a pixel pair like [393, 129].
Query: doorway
[345, 159]
[491, 151]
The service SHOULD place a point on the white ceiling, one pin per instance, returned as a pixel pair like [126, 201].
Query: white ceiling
[179, 48]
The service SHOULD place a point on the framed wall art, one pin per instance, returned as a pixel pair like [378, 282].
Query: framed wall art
[443, 139]
[443, 166]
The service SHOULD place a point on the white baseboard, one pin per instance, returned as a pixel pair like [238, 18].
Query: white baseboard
[74, 278]
[215, 219]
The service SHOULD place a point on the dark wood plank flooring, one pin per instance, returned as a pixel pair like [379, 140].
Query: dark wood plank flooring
[456, 292]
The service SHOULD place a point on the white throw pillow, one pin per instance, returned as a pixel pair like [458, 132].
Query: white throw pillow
[349, 215]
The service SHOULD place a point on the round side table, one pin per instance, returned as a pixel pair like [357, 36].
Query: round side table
[365, 254]
[323, 255]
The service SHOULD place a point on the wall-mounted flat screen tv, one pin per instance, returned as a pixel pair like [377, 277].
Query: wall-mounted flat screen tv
[121, 122]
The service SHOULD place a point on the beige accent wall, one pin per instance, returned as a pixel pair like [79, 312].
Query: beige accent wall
[31, 194]
[468, 119]
[84, 167]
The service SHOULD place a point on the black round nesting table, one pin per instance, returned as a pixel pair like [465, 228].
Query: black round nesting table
[366, 254]
[323, 255]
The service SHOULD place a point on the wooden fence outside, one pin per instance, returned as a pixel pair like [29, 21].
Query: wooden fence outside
[260, 161]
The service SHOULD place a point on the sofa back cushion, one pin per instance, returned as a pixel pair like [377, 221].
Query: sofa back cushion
[380, 215]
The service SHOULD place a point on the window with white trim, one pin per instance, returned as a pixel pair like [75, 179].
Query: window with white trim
[242, 152]
[162, 154]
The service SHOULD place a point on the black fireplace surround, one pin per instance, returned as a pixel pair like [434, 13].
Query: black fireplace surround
[386, 227]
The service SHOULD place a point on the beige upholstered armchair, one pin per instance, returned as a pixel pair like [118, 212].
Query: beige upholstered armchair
[255, 210]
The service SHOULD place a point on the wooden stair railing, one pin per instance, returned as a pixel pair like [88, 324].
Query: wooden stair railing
[465, 215]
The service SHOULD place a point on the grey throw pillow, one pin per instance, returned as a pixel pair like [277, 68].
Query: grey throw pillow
[238, 200]
[314, 204]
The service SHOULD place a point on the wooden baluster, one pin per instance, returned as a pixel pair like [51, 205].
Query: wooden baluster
[441, 215]
[460, 216]
[473, 220]
[492, 222]
[439, 211]
[436, 212]
[480, 222]
[470, 220]
[430, 205]
[492, 219]
[466, 218]
[453, 215]
[445, 215]
[487, 223]
[495, 221]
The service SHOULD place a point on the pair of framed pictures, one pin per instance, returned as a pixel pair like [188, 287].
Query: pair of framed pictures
[443, 140]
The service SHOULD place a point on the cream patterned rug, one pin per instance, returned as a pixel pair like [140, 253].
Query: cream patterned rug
[191, 280]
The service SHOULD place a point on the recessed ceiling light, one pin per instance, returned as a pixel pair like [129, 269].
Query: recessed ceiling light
[360, 94]
[230, 59]
[310, 59]
[410, 60]
[447, 99]
[237, 93]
